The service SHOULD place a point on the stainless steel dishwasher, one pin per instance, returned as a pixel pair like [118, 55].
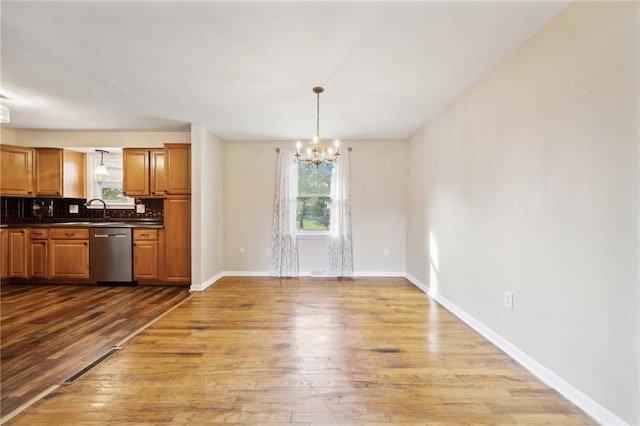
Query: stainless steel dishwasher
[111, 255]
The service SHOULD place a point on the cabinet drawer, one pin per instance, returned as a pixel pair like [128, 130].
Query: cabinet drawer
[39, 234]
[145, 234]
[69, 234]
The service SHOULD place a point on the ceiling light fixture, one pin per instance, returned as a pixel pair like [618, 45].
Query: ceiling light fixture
[318, 152]
[101, 170]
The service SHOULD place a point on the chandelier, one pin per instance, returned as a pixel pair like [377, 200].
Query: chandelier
[318, 151]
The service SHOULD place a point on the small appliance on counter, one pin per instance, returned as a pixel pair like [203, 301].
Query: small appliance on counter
[42, 208]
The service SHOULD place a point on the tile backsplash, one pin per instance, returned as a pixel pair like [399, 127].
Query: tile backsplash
[22, 208]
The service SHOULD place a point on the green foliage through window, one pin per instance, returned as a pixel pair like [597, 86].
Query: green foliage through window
[314, 188]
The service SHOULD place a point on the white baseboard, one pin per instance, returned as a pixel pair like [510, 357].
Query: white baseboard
[207, 283]
[245, 273]
[551, 379]
[356, 274]
[373, 274]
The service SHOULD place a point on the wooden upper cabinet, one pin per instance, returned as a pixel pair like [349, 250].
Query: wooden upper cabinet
[59, 173]
[16, 170]
[143, 172]
[177, 178]
[74, 174]
[49, 172]
[135, 164]
[157, 172]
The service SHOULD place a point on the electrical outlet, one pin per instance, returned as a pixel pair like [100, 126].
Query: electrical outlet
[508, 299]
[73, 208]
[140, 208]
[386, 252]
[241, 251]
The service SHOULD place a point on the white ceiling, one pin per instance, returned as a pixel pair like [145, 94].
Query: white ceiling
[245, 70]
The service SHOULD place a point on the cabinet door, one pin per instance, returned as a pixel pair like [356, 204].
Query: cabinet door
[38, 258]
[74, 174]
[4, 253]
[157, 172]
[177, 238]
[69, 259]
[17, 253]
[177, 178]
[48, 172]
[145, 260]
[135, 164]
[16, 170]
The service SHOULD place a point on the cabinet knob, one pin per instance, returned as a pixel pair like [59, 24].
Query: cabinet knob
[85, 243]
[57, 192]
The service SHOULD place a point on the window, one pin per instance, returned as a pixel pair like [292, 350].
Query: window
[314, 189]
[107, 188]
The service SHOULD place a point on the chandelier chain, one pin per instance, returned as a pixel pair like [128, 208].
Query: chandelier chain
[318, 115]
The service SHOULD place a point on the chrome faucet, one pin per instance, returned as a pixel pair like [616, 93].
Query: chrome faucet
[104, 207]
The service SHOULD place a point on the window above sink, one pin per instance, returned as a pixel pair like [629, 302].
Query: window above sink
[109, 187]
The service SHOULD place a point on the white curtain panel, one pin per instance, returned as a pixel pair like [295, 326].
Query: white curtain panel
[340, 246]
[284, 245]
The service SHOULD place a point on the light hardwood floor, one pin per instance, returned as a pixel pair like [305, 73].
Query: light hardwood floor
[307, 351]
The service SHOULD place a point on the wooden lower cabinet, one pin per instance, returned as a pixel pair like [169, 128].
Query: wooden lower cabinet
[147, 259]
[69, 253]
[38, 256]
[17, 253]
[177, 237]
[4, 254]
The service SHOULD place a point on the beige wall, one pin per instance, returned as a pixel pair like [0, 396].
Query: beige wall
[7, 136]
[97, 139]
[529, 183]
[207, 171]
[378, 211]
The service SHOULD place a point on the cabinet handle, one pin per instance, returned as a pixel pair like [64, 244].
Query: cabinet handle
[22, 231]
[85, 243]
[144, 235]
[69, 234]
[43, 243]
[57, 192]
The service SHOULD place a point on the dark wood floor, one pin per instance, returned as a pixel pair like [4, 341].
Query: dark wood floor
[50, 332]
[307, 351]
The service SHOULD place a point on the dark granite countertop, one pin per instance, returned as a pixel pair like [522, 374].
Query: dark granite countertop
[82, 223]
